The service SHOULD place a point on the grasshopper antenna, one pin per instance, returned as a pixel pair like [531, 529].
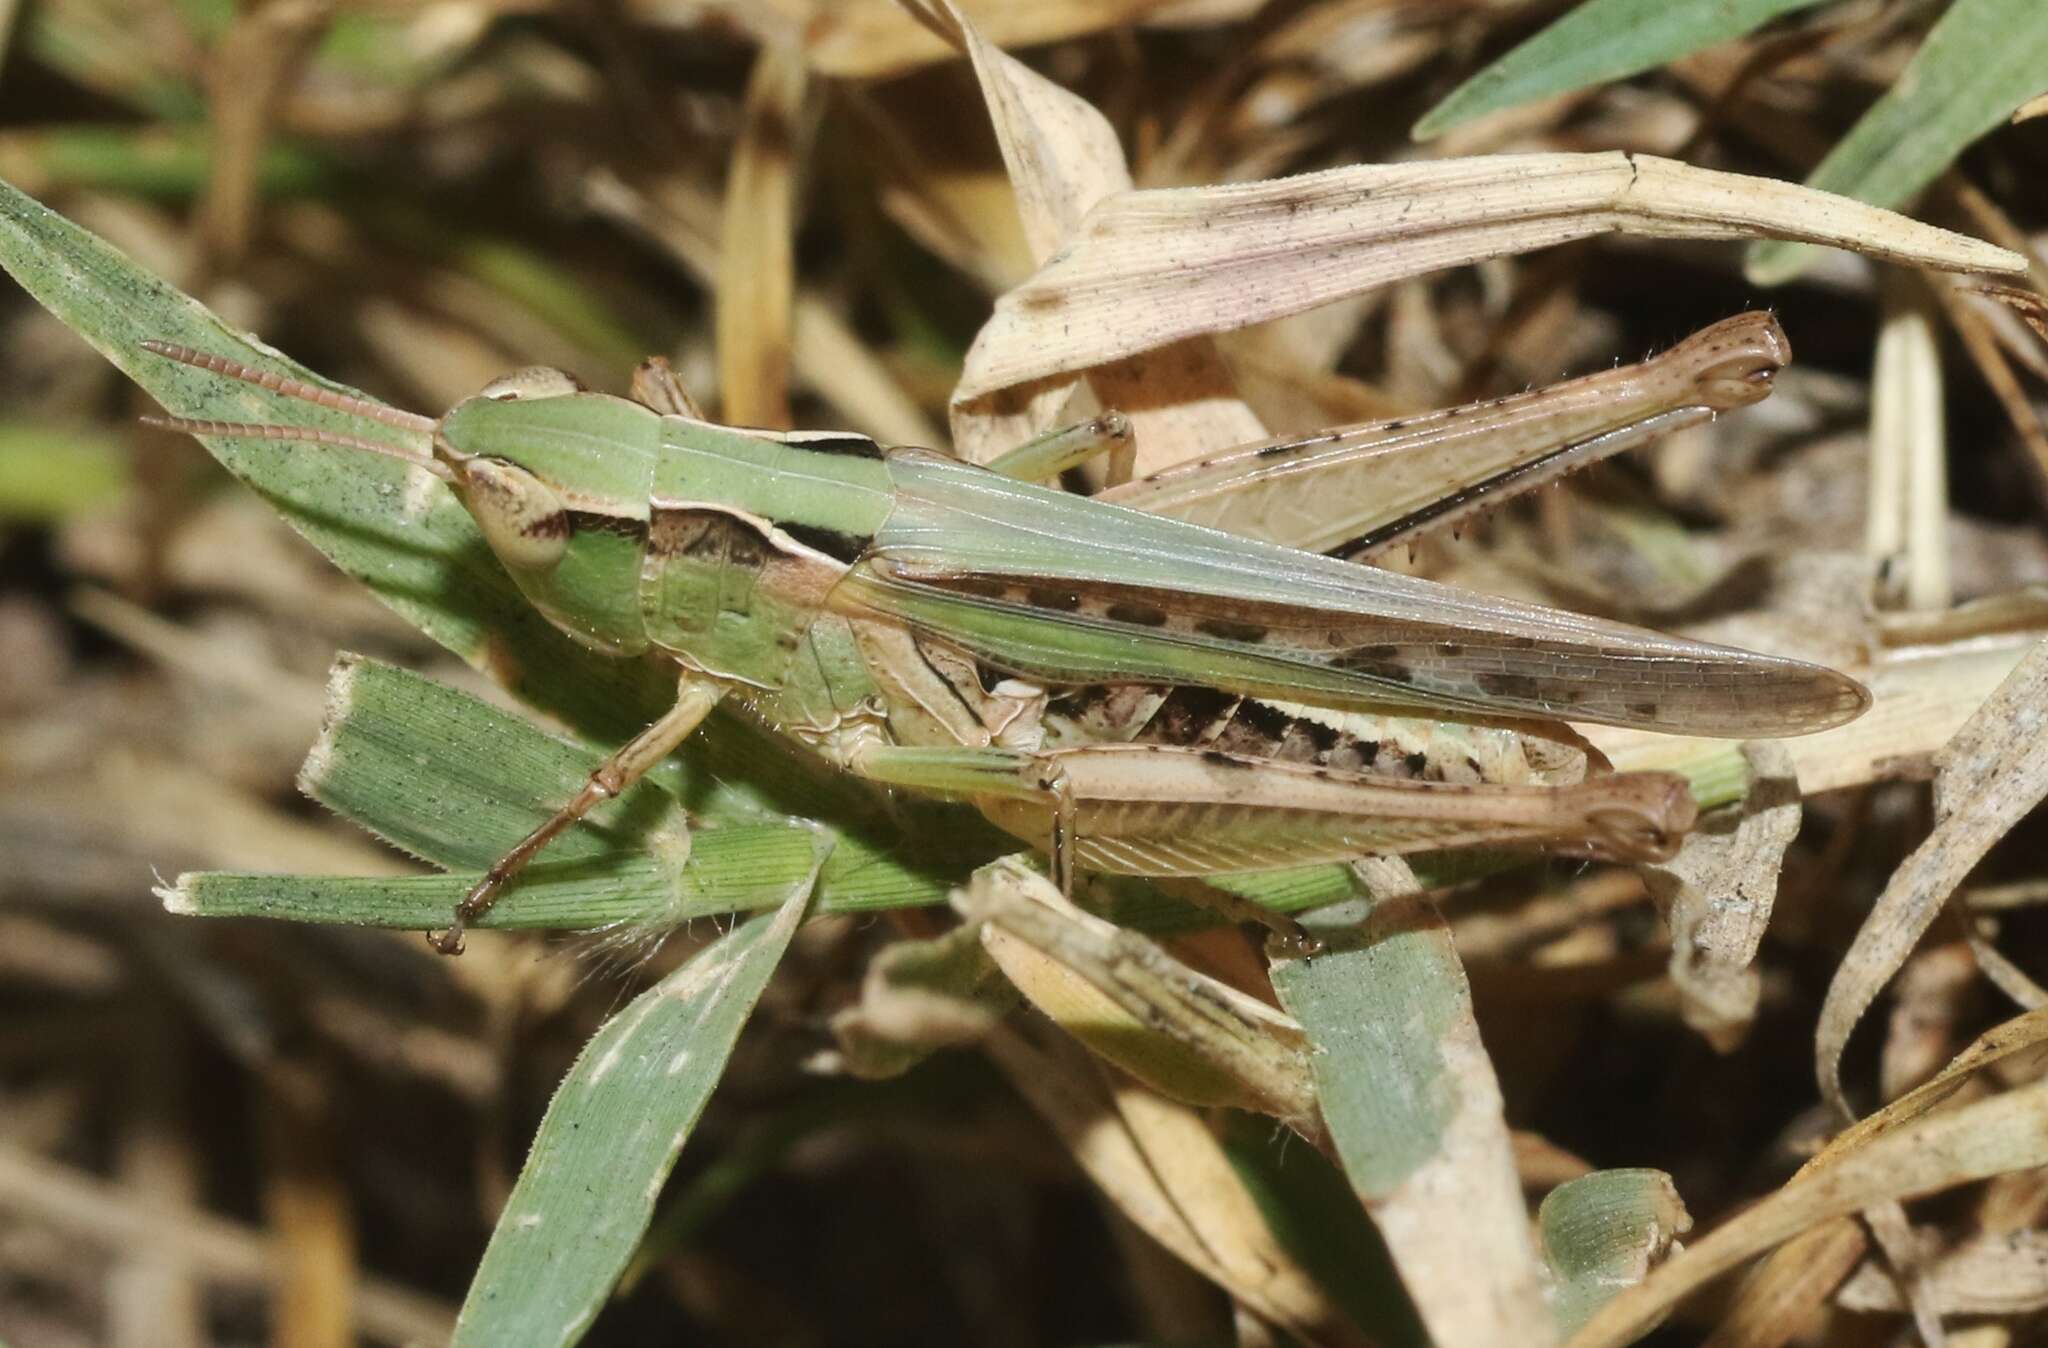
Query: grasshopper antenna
[313, 435]
[411, 422]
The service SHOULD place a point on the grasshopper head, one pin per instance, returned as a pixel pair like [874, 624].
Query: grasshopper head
[1733, 363]
[558, 482]
[557, 479]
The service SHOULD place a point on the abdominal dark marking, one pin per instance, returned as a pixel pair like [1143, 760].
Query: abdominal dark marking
[554, 524]
[833, 442]
[597, 522]
[1241, 729]
[708, 536]
[841, 547]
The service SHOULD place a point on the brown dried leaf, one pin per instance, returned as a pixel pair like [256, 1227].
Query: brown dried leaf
[1181, 1032]
[1063, 158]
[1779, 1301]
[1993, 772]
[1776, 1303]
[1717, 895]
[1163, 1168]
[2005, 1274]
[1150, 268]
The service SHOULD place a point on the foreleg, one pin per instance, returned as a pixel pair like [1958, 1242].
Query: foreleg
[695, 697]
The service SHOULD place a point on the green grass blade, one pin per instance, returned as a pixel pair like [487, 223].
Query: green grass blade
[403, 536]
[455, 781]
[610, 1138]
[1979, 63]
[1415, 1111]
[1603, 1232]
[1599, 41]
[53, 472]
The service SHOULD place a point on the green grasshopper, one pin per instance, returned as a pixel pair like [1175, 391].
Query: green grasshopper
[1127, 691]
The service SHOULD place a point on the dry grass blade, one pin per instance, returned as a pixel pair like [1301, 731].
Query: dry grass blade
[2007, 1132]
[872, 39]
[1151, 268]
[1777, 1302]
[1992, 773]
[757, 265]
[213, 1247]
[1909, 452]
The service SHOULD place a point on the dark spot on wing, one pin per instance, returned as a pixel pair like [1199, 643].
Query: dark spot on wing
[1416, 762]
[1066, 601]
[1519, 687]
[1273, 451]
[1642, 708]
[1137, 615]
[1225, 629]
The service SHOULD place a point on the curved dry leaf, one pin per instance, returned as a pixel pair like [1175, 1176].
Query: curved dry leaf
[757, 264]
[1993, 773]
[1063, 158]
[2006, 1132]
[1166, 1172]
[1781, 1299]
[918, 996]
[1152, 267]
[1796, 1279]
[2003, 1274]
[1717, 895]
[1181, 1032]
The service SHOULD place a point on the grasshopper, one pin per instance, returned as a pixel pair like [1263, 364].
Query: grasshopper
[1183, 676]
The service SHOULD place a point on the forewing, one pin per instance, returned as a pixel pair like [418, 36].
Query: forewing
[1073, 590]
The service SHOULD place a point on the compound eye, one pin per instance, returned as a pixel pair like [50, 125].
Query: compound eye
[520, 515]
[535, 381]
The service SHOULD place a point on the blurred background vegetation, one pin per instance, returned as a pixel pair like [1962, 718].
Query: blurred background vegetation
[240, 1132]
